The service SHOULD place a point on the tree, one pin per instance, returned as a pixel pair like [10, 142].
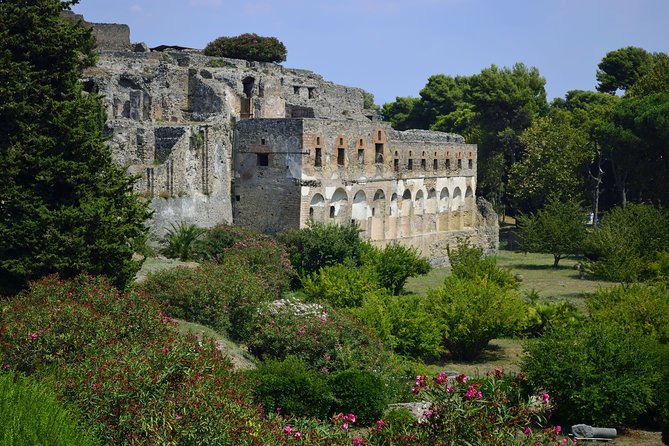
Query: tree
[622, 68]
[64, 206]
[558, 229]
[394, 264]
[248, 47]
[655, 81]
[555, 154]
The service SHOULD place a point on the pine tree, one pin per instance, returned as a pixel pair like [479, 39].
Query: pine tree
[65, 207]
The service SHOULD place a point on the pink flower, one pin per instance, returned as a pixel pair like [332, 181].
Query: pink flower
[498, 373]
[450, 388]
[178, 416]
[443, 377]
[298, 435]
[527, 431]
[287, 429]
[356, 441]
[427, 413]
[379, 423]
[462, 378]
[33, 336]
[351, 418]
[344, 426]
[546, 397]
[558, 429]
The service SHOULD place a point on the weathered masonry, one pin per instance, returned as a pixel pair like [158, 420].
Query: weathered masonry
[216, 140]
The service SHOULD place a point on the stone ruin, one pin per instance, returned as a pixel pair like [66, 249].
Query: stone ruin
[216, 140]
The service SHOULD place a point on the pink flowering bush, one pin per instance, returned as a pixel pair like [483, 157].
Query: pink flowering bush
[58, 321]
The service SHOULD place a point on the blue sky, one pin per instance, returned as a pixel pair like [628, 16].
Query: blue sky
[391, 47]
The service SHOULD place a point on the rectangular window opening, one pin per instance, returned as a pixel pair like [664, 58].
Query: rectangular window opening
[435, 164]
[471, 163]
[341, 153]
[422, 164]
[396, 164]
[459, 164]
[361, 156]
[332, 211]
[448, 163]
[262, 159]
[378, 153]
[318, 160]
[410, 164]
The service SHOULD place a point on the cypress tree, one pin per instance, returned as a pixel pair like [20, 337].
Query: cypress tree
[65, 207]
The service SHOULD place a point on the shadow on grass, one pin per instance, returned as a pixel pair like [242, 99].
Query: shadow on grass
[492, 353]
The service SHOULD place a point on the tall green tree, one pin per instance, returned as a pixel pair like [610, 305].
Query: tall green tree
[558, 229]
[622, 68]
[555, 157]
[64, 206]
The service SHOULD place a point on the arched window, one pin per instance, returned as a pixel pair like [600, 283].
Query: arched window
[338, 204]
[379, 205]
[444, 200]
[457, 198]
[431, 205]
[359, 208]
[418, 206]
[316, 207]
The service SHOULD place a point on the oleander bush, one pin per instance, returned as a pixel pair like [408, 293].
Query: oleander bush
[248, 47]
[57, 322]
[292, 388]
[317, 334]
[223, 296]
[30, 414]
[472, 311]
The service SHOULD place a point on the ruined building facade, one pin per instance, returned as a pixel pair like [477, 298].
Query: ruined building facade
[215, 140]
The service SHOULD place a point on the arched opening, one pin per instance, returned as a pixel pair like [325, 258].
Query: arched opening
[431, 205]
[394, 209]
[317, 207]
[444, 200]
[359, 208]
[247, 102]
[457, 198]
[338, 204]
[418, 206]
[469, 193]
[379, 205]
[405, 206]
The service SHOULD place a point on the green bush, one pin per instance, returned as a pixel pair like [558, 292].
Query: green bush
[292, 388]
[627, 242]
[58, 321]
[320, 245]
[544, 316]
[247, 47]
[395, 263]
[213, 243]
[403, 323]
[180, 239]
[339, 285]
[30, 415]
[320, 336]
[469, 262]
[637, 308]
[360, 392]
[599, 373]
[223, 297]
[471, 312]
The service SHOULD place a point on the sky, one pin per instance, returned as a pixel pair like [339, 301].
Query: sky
[391, 47]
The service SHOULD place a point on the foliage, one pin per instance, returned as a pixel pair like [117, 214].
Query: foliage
[223, 297]
[323, 338]
[558, 229]
[319, 245]
[248, 47]
[637, 308]
[360, 392]
[542, 317]
[622, 68]
[472, 311]
[59, 321]
[291, 388]
[468, 262]
[627, 241]
[395, 263]
[659, 269]
[339, 285]
[600, 372]
[656, 80]
[403, 324]
[475, 411]
[179, 240]
[66, 207]
[213, 244]
[31, 415]
[554, 156]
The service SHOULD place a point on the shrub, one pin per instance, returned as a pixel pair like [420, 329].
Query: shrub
[31, 415]
[599, 373]
[320, 245]
[247, 47]
[318, 335]
[403, 323]
[481, 411]
[213, 243]
[628, 240]
[339, 285]
[180, 239]
[468, 262]
[58, 321]
[167, 391]
[637, 308]
[360, 392]
[223, 297]
[544, 316]
[291, 388]
[471, 312]
[395, 263]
